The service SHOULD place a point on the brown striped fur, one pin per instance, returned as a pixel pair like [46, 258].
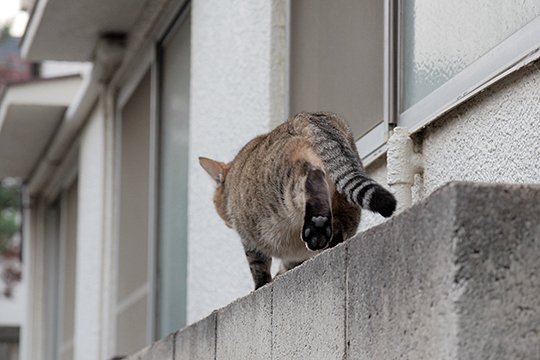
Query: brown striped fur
[295, 191]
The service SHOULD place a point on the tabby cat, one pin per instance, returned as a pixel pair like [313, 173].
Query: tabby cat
[295, 191]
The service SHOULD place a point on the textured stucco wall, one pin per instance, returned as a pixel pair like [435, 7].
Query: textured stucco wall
[234, 95]
[492, 138]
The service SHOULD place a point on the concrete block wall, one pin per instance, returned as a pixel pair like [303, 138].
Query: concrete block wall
[454, 277]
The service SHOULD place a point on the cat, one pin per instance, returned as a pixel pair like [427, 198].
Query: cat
[295, 191]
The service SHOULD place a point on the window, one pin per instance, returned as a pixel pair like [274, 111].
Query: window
[337, 63]
[61, 266]
[133, 289]
[153, 135]
[396, 62]
[173, 178]
[9, 342]
[452, 49]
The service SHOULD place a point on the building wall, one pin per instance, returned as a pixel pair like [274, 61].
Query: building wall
[492, 138]
[12, 309]
[237, 92]
[234, 77]
[32, 339]
[89, 285]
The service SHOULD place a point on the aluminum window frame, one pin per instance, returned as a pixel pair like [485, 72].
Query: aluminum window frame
[64, 212]
[516, 51]
[167, 33]
[373, 144]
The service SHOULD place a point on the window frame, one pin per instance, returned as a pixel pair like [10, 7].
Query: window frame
[53, 258]
[55, 198]
[65, 212]
[127, 84]
[167, 34]
[372, 144]
[125, 92]
[516, 51]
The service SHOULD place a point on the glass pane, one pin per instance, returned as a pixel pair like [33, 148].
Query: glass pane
[133, 225]
[441, 38]
[128, 325]
[174, 146]
[337, 60]
[132, 281]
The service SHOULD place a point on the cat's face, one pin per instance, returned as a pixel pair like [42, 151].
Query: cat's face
[218, 172]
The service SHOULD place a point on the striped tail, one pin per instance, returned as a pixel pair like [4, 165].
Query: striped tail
[333, 142]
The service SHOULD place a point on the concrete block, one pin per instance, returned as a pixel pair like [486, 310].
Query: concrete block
[308, 319]
[197, 341]
[455, 277]
[140, 355]
[400, 284]
[244, 328]
[160, 350]
[497, 261]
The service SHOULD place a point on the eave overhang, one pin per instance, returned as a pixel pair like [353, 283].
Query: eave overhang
[30, 113]
[68, 30]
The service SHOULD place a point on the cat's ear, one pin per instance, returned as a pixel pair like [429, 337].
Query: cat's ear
[216, 169]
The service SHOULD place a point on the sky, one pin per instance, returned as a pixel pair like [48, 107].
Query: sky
[9, 10]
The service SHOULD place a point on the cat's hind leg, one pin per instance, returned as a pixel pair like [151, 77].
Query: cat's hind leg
[346, 218]
[259, 265]
[317, 228]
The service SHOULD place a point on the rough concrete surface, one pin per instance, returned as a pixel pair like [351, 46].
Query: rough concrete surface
[160, 350]
[308, 319]
[493, 137]
[137, 356]
[400, 285]
[497, 255]
[244, 328]
[197, 341]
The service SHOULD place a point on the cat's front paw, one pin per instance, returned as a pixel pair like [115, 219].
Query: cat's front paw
[317, 232]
